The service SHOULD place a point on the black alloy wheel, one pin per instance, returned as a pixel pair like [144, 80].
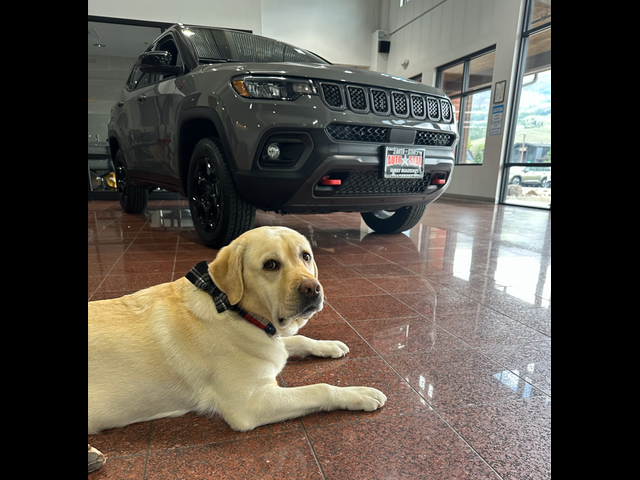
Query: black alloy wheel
[219, 212]
[132, 199]
[394, 221]
[206, 196]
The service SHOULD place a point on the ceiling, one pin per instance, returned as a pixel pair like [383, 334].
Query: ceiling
[119, 40]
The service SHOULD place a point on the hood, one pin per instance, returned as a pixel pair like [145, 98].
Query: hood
[339, 74]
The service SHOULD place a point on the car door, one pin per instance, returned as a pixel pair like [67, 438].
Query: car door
[129, 123]
[157, 104]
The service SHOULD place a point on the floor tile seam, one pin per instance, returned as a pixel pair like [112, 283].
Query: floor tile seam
[470, 347]
[398, 374]
[114, 264]
[104, 226]
[461, 436]
[313, 450]
[367, 420]
[468, 444]
[520, 376]
[386, 262]
[175, 259]
[156, 451]
[488, 307]
[146, 456]
[505, 401]
[516, 320]
[524, 340]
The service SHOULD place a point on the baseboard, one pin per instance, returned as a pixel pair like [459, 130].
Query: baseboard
[468, 198]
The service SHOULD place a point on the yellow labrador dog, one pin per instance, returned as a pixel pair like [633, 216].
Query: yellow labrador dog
[215, 340]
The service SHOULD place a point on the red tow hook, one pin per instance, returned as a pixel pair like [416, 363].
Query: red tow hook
[438, 181]
[330, 181]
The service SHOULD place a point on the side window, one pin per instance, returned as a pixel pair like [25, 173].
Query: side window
[138, 79]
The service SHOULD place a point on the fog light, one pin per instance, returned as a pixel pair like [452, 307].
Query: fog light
[273, 151]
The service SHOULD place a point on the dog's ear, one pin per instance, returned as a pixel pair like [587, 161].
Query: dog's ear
[226, 271]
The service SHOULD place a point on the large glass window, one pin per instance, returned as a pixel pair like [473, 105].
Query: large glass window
[527, 174]
[468, 83]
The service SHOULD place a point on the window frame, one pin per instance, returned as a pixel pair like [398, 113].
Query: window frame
[465, 92]
[527, 33]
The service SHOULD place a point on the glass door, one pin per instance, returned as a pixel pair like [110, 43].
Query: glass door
[527, 171]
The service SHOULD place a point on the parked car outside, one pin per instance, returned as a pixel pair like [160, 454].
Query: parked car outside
[538, 176]
[235, 121]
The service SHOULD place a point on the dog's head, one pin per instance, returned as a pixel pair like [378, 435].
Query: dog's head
[270, 271]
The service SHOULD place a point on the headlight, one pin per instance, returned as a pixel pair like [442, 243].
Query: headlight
[273, 88]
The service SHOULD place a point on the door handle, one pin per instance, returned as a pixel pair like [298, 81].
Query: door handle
[141, 98]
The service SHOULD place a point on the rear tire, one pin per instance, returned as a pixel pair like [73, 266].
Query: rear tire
[132, 199]
[218, 211]
[384, 221]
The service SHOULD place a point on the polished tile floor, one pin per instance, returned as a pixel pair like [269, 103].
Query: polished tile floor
[451, 320]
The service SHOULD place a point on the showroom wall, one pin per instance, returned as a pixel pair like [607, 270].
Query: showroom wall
[432, 33]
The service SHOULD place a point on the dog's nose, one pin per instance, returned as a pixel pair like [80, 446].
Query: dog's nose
[310, 288]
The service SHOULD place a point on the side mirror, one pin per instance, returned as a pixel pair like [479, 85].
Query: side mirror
[158, 62]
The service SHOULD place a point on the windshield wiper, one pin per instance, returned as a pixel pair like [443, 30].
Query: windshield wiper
[217, 60]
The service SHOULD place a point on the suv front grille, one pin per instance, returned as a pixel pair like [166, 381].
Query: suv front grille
[438, 139]
[362, 99]
[368, 183]
[358, 133]
[364, 133]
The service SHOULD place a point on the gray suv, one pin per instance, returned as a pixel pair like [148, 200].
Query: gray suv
[235, 121]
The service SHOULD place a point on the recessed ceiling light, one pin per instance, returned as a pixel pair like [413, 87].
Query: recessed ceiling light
[99, 45]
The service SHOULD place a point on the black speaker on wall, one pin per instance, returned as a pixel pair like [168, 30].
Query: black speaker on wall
[383, 46]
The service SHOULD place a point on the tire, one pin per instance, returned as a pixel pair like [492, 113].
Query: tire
[132, 199]
[515, 181]
[218, 211]
[383, 221]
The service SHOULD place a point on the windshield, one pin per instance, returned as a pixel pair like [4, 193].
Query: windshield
[213, 45]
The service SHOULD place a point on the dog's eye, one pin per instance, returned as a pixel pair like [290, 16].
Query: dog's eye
[306, 256]
[270, 265]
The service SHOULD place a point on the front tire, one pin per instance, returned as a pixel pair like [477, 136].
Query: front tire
[218, 211]
[384, 221]
[132, 199]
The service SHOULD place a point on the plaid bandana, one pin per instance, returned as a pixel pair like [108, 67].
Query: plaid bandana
[199, 276]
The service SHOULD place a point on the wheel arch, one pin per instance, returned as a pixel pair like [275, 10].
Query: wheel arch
[194, 125]
[114, 145]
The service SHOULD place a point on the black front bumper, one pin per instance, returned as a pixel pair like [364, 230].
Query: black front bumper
[352, 155]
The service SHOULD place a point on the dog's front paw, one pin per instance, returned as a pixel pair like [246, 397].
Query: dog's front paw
[364, 398]
[330, 348]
